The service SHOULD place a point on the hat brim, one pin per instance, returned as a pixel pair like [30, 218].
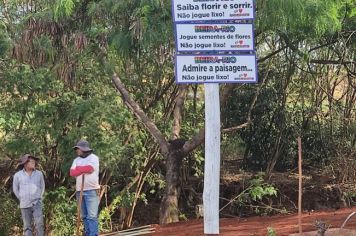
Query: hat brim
[84, 149]
[33, 157]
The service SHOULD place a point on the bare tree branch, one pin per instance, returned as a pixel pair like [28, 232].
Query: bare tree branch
[253, 103]
[194, 142]
[332, 62]
[231, 129]
[140, 114]
[271, 54]
[199, 138]
[322, 45]
[248, 119]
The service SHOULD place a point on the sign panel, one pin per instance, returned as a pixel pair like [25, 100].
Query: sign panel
[216, 68]
[208, 10]
[214, 37]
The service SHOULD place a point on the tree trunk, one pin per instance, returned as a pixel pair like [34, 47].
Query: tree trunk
[169, 211]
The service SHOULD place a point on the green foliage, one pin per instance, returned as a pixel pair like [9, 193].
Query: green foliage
[253, 195]
[300, 18]
[138, 25]
[270, 119]
[10, 214]
[124, 199]
[64, 8]
[197, 165]
[5, 43]
[60, 211]
[258, 189]
[182, 217]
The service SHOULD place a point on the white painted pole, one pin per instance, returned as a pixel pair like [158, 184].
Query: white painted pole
[212, 159]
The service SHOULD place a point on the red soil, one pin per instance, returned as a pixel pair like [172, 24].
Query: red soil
[282, 224]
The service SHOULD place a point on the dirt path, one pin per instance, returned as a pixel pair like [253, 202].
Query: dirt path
[283, 225]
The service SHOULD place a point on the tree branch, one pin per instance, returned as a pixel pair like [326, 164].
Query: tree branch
[271, 54]
[332, 62]
[322, 45]
[140, 114]
[177, 113]
[249, 114]
[249, 121]
[244, 125]
[194, 142]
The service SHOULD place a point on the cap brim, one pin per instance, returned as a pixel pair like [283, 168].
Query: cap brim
[84, 149]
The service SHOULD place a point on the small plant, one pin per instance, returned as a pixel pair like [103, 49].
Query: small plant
[258, 189]
[182, 217]
[321, 226]
[255, 192]
[271, 231]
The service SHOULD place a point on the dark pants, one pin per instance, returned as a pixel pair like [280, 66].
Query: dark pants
[30, 214]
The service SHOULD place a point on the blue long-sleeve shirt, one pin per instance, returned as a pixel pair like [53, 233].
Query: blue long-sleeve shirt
[28, 188]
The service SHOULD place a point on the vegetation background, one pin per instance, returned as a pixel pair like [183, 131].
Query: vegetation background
[103, 70]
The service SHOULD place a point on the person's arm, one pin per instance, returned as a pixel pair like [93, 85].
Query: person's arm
[72, 171]
[15, 186]
[78, 170]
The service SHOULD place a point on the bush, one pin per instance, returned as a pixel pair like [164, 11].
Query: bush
[10, 216]
[60, 212]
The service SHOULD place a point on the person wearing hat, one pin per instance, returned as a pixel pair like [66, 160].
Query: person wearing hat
[29, 186]
[87, 163]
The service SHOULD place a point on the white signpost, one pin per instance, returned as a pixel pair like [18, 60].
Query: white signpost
[201, 29]
[212, 159]
[195, 10]
[214, 37]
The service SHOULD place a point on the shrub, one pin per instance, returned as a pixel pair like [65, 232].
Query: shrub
[10, 213]
[60, 212]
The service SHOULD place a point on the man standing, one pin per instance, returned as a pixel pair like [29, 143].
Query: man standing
[29, 186]
[87, 164]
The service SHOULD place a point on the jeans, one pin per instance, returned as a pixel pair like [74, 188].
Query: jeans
[89, 212]
[33, 213]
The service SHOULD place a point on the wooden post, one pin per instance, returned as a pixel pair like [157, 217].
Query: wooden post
[79, 206]
[212, 159]
[300, 185]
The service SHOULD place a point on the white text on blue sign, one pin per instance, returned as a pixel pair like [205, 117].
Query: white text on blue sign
[208, 10]
[214, 37]
[216, 68]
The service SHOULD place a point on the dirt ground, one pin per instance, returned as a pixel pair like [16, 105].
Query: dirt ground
[282, 224]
